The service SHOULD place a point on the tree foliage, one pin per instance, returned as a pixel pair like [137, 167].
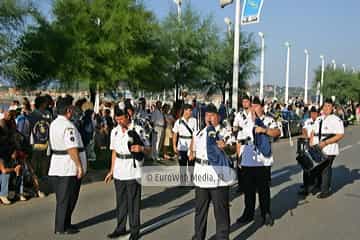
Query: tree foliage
[103, 43]
[343, 85]
[222, 63]
[12, 18]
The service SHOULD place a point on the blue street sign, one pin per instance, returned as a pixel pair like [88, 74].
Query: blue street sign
[251, 11]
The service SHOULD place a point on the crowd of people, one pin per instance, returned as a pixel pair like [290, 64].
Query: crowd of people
[24, 133]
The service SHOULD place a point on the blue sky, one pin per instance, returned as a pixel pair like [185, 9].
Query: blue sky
[325, 27]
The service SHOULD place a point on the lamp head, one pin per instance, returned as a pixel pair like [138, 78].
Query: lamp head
[261, 34]
[227, 20]
[178, 2]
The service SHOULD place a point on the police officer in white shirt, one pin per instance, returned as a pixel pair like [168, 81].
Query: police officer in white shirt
[126, 170]
[183, 130]
[328, 131]
[242, 119]
[306, 133]
[210, 186]
[255, 166]
[67, 166]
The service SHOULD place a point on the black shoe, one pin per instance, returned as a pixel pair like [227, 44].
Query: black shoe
[244, 219]
[268, 220]
[315, 190]
[134, 237]
[323, 195]
[74, 227]
[68, 231]
[116, 234]
[303, 192]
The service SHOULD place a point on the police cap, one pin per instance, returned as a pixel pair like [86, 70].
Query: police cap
[211, 108]
[257, 100]
[313, 109]
[245, 97]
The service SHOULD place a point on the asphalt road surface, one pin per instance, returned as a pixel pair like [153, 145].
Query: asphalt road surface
[168, 213]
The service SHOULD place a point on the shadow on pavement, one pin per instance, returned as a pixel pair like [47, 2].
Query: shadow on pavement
[343, 176]
[168, 195]
[155, 200]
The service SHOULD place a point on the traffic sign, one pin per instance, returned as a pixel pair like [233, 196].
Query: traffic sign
[251, 11]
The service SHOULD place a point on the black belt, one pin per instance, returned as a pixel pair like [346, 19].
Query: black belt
[65, 152]
[244, 142]
[124, 156]
[202, 161]
[185, 137]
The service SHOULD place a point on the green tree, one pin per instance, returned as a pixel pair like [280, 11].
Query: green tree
[221, 63]
[99, 43]
[12, 19]
[189, 44]
[343, 85]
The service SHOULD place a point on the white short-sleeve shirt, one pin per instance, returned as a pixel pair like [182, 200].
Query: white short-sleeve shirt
[331, 124]
[63, 136]
[184, 135]
[124, 169]
[259, 160]
[309, 126]
[205, 175]
[242, 118]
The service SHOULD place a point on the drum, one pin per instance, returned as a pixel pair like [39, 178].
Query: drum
[308, 156]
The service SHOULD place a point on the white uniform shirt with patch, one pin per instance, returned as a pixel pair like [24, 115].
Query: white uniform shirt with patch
[181, 130]
[259, 160]
[309, 126]
[63, 136]
[242, 118]
[205, 175]
[331, 124]
[123, 168]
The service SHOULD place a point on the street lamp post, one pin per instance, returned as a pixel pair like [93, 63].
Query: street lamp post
[334, 64]
[306, 76]
[262, 66]
[322, 79]
[287, 44]
[178, 3]
[228, 22]
[235, 92]
[235, 84]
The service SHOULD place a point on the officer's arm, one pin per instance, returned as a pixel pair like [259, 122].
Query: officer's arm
[304, 133]
[238, 148]
[113, 158]
[334, 139]
[192, 152]
[74, 154]
[174, 141]
[272, 132]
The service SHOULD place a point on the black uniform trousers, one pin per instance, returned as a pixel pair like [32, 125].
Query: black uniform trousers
[184, 159]
[323, 174]
[67, 191]
[128, 202]
[256, 179]
[220, 199]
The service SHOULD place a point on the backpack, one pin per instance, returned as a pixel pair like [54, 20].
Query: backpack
[40, 132]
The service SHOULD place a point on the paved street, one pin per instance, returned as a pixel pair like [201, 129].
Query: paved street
[168, 213]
